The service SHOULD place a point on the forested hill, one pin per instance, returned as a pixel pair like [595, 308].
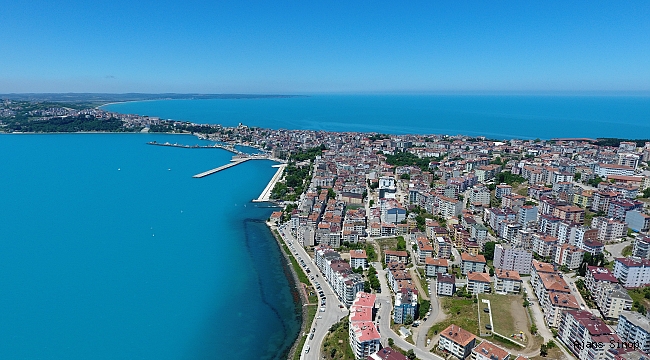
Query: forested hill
[66, 124]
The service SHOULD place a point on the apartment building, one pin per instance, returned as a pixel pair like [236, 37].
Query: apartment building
[457, 341]
[579, 327]
[632, 272]
[612, 299]
[478, 283]
[435, 266]
[445, 284]
[473, 263]
[634, 327]
[507, 257]
[507, 282]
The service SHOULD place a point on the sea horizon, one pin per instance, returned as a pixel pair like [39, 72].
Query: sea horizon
[492, 116]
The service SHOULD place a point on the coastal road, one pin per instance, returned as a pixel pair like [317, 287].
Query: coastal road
[383, 319]
[334, 309]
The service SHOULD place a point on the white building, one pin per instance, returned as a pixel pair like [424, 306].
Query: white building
[633, 327]
[579, 327]
[488, 351]
[358, 259]
[364, 336]
[507, 257]
[478, 283]
[632, 272]
[507, 282]
[445, 284]
[457, 341]
[569, 256]
[604, 170]
[612, 299]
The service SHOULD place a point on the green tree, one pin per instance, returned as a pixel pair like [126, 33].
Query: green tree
[488, 250]
[405, 177]
[543, 350]
[577, 176]
[411, 354]
[331, 194]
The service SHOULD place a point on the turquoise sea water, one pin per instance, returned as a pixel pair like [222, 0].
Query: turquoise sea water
[500, 117]
[109, 249]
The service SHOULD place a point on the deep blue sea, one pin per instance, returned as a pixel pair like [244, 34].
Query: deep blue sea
[109, 249]
[494, 116]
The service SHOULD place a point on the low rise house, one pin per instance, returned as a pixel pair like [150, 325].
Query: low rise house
[457, 341]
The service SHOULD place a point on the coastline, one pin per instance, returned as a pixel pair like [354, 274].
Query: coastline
[303, 301]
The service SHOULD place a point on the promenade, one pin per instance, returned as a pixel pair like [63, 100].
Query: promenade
[266, 193]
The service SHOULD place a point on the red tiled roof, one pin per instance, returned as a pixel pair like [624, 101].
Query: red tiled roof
[458, 335]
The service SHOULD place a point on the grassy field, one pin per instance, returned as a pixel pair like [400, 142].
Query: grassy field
[627, 251]
[509, 315]
[461, 312]
[336, 344]
[639, 295]
[484, 317]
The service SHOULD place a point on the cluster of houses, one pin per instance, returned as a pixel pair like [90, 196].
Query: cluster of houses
[579, 197]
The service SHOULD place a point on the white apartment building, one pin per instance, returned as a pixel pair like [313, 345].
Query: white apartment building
[457, 341]
[632, 272]
[579, 327]
[445, 284]
[604, 170]
[609, 229]
[612, 299]
[507, 282]
[570, 256]
[634, 327]
[507, 257]
[363, 334]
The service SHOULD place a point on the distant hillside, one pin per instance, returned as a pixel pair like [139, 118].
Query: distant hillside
[101, 98]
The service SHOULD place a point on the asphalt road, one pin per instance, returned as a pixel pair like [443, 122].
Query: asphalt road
[617, 249]
[333, 311]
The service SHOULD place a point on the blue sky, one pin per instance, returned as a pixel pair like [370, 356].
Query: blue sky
[333, 46]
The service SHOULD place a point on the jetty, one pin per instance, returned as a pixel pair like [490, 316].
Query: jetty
[266, 193]
[226, 147]
[223, 167]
